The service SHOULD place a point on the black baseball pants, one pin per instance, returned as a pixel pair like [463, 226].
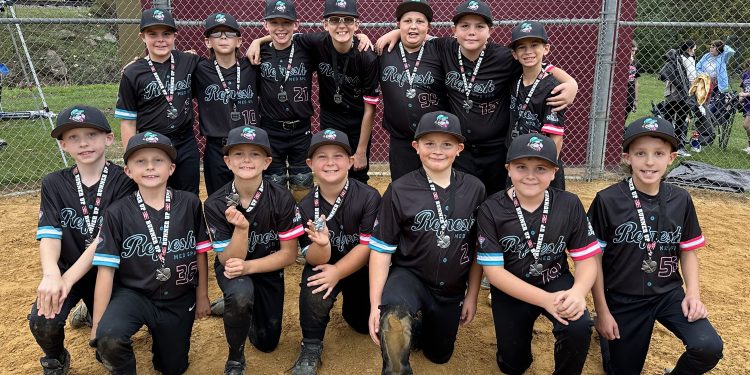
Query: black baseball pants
[186, 175]
[402, 157]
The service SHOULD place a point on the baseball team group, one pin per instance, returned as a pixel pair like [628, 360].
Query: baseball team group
[477, 198]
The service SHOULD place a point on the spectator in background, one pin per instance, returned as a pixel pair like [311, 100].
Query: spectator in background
[633, 74]
[745, 95]
[678, 102]
[714, 63]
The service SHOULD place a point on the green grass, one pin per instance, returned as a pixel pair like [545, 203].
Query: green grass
[651, 89]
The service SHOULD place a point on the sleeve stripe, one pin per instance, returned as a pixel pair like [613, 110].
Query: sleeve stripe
[127, 115]
[364, 239]
[549, 68]
[219, 246]
[374, 100]
[304, 250]
[48, 232]
[106, 260]
[381, 247]
[292, 233]
[490, 259]
[585, 252]
[693, 244]
[553, 129]
[203, 247]
[602, 243]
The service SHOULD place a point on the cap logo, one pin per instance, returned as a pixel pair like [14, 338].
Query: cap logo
[442, 121]
[329, 135]
[281, 6]
[77, 115]
[535, 143]
[525, 27]
[220, 18]
[248, 133]
[341, 3]
[650, 124]
[150, 137]
[473, 5]
[159, 15]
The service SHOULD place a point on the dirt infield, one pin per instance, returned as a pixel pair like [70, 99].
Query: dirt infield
[725, 290]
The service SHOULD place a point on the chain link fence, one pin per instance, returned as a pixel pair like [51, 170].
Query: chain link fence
[64, 52]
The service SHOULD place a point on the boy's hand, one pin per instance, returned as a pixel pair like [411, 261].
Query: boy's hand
[563, 96]
[50, 295]
[570, 304]
[236, 218]
[234, 267]
[202, 307]
[319, 237]
[468, 310]
[326, 279]
[607, 326]
[550, 305]
[360, 160]
[365, 44]
[253, 53]
[387, 41]
[374, 323]
[693, 308]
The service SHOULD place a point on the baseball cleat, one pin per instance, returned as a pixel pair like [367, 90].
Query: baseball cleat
[234, 368]
[52, 366]
[80, 317]
[309, 357]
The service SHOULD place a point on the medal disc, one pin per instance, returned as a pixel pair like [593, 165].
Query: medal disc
[163, 274]
[468, 104]
[337, 98]
[282, 96]
[235, 116]
[411, 93]
[172, 112]
[649, 266]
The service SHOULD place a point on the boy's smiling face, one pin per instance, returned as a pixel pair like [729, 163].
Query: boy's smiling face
[341, 28]
[472, 32]
[281, 30]
[530, 52]
[159, 41]
[86, 145]
[149, 167]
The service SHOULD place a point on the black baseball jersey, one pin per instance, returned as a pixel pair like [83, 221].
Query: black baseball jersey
[538, 116]
[359, 84]
[488, 120]
[275, 218]
[298, 86]
[61, 215]
[140, 98]
[408, 225]
[400, 113]
[502, 242]
[615, 221]
[215, 106]
[125, 244]
[352, 223]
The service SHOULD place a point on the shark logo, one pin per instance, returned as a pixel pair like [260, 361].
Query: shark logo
[220, 18]
[159, 15]
[442, 121]
[150, 137]
[248, 133]
[281, 6]
[535, 143]
[525, 27]
[650, 124]
[473, 5]
[329, 135]
[77, 115]
[341, 3]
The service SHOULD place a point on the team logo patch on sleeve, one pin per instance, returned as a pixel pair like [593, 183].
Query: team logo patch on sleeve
[220, 18]
[41, 213]
[341, 3]
[481, 240]
[297, 215]
[526, 27]
[442, 121]
[375, 224]
[281, 6]
[150, 137]
[77, 115]
[248, 133]
[552, 117]
[650, 124]
[329, 134]
[535, 143]
[473, 5]
[159, 15]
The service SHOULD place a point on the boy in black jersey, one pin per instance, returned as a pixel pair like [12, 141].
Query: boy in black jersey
[423, 252]
[524, 233]
[254, 226]
[155, 95]
[648, 230]
[70, 214]
[339, 213]
[529, 111]
[153, 267]
[225, 89]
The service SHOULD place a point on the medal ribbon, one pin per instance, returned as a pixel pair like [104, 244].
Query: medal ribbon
[336, 205]
[225, 86]
[93, 218]
[150, 226]
[441, 217]
[288, 65]
[256, 197]
[338, 78]
[650, 243]
[535, 250]
[167, 95]
[413, 74]
[469, 85]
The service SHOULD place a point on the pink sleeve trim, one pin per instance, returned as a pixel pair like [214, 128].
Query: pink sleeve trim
[693, 244]
[203, 247]
[374, 100]
[364, 239]
[585, 252]
[292, 233]
[549, 68]
[553, 129]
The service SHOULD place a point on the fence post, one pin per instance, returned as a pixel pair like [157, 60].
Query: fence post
[602, 90]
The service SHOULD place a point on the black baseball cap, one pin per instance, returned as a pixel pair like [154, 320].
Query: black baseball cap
[220, 19]
[149, 139]
[247, 135]
[533, 145]
[157, 17]
[651, 126]
[280, 9]
[329, 137]
[476, 7]
[421, 6]
[439, 122]
[80, 116]
[340, 8]
[527, 30]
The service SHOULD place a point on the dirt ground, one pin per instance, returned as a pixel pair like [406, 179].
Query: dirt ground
[725, 290]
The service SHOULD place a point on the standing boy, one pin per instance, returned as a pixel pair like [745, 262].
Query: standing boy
[152, 264]
[254, 226]
[423, 251]
[529, 111]
[339, 213]
[70, 214]
[155, 95]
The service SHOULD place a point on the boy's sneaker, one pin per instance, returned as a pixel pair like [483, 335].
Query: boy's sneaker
[80, 316]
[309, 357]
[695, 149]
[747, 150]
[59, 366]
[683, 154]
[234, 368]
